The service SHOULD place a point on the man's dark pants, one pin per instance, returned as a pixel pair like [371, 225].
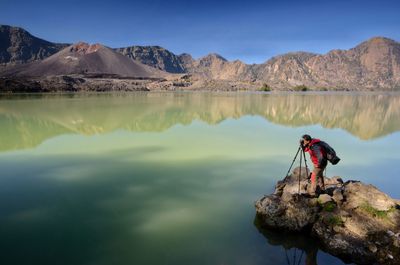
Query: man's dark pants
[317, 180]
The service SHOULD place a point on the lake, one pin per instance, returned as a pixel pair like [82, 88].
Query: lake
[171, 178]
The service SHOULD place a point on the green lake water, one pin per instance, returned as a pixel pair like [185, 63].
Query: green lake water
[171, 178]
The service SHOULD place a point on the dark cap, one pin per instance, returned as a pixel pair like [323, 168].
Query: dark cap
[306, 137]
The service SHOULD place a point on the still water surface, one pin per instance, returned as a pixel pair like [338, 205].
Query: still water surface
[171, 178]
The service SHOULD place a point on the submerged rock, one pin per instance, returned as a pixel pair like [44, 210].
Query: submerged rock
[353, 221]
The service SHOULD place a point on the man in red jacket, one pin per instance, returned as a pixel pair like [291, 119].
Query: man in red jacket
[318, 158]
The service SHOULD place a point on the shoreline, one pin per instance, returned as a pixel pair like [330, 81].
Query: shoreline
[250, 92]
[105, 83]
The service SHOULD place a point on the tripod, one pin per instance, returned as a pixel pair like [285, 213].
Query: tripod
[302, 156]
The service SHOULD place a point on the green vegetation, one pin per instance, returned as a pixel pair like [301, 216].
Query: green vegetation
[335, 220]
[366, 207]
[323, 89]
[300, 88]
[265, 88]
[329, 207]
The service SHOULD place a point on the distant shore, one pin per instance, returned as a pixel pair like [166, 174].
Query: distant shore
[112, 83]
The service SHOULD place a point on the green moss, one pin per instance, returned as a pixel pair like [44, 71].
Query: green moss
[367, 208]
[265, 88]
[329, 207]
[334, 220]
[300, 88]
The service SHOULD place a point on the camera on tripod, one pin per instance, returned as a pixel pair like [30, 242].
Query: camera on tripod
[302, 143]
[303, 159]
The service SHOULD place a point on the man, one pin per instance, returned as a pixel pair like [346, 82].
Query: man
[318, 158]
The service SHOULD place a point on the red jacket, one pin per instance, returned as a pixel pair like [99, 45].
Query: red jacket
[317, 153]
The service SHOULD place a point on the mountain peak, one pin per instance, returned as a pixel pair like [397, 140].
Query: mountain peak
[375, 42]
[213, 56]
[9, 28]
[379, 39]
[85, 48]
[85, 58]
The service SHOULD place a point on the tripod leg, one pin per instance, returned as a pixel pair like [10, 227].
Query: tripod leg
[305, 162]
[294, 159]
[300, 172]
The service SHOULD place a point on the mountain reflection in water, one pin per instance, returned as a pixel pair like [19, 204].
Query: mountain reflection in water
[171, 178]
[27, 121]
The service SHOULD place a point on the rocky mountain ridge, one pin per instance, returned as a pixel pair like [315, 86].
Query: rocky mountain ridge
[155, 56]
[371, 65]
[19, 46]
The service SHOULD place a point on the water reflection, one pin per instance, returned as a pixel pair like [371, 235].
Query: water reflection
[298, 248]
[129, 194]
[28, 121]
[106, 210]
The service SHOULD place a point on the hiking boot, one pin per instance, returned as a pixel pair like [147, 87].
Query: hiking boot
[320, 191]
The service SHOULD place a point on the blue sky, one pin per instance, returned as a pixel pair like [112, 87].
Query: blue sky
[251, 31]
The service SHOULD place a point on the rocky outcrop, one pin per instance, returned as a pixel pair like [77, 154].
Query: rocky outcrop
[286, 70]
[155, 56]
[353, 221]
[216, 67]
[92, 82]
[69, 83]
[187, 61]
[17, 46]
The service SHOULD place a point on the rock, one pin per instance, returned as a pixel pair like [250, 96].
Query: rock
[294, 215]
[337, 179]
[154, 56]
[280, 185]
[324, 198]
[345, 228]
[337, 196]
[396, 243]
[72, 83]
[372, 248]
[358, 194]
[302, 171]
[297, 182]
[333, 181]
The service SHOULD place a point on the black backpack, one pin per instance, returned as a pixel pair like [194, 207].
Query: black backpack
[330, 153]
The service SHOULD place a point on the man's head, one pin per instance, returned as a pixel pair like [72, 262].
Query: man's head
[305, 140]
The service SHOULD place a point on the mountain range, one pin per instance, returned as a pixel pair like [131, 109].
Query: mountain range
[371, 65]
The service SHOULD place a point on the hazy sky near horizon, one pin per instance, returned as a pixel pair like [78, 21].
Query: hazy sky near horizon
[252, 31]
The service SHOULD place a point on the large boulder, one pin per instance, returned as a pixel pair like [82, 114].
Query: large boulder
[359, 194]
[353, 221]
[294, 215]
